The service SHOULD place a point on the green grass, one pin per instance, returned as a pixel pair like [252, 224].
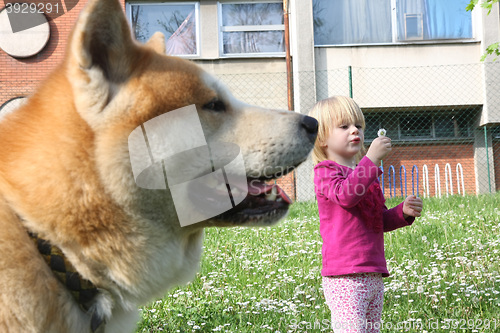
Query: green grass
[444, 275]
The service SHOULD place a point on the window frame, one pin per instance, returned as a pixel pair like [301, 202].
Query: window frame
[253, 28]
[196, 4]
[395, 41]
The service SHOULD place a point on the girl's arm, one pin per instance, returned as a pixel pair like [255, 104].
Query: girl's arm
[345, 190]
[394, 218]
[403, 214]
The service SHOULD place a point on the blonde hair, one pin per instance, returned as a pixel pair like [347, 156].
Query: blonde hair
[331, 112]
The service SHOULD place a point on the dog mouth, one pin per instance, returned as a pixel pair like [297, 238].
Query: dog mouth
[263, 204]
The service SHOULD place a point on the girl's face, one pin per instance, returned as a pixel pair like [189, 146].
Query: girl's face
[343, 143]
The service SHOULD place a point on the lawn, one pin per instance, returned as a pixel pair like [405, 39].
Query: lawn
[444, 275]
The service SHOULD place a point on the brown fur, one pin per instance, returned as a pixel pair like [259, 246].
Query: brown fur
[65, 174]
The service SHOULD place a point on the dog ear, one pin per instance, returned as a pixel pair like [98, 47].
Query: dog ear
[102, 40]
[157, 42]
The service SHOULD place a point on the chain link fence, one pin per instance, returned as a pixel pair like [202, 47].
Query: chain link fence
[444, 122]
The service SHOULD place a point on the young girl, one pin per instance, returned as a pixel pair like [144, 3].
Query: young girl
[353, 216]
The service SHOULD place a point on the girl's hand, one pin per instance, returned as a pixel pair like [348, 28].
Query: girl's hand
[379, 148]
[412, 206]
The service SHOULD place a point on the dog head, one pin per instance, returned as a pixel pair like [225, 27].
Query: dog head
[121, 87]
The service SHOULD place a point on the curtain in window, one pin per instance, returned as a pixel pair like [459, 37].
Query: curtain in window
[442, 19]
[352, 21]
[448, 19]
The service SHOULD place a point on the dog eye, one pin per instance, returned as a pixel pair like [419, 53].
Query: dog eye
[215, 105]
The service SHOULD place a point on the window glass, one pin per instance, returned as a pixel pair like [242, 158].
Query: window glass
[352, 21]
[442, 125]
[338, 22]
[496, 132]
[253, 42]
[373, 124]
[176, 21]
[252, 14]
[375, 121]
[446, 126]
[416, 126]
[455, 125]
[433, 19]
[252, 28]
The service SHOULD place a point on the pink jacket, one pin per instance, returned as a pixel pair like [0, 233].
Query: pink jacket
[353, 218]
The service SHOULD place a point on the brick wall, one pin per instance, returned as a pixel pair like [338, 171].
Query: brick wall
[20, 77]
[287, 183]
[430, 155]
[419, 156]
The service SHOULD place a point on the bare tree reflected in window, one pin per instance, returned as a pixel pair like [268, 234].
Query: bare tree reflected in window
[139, 26]
[321, 31]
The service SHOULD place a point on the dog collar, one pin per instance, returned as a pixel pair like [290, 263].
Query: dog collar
[83, 290]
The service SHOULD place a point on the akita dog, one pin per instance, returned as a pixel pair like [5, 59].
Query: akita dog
[81, 244]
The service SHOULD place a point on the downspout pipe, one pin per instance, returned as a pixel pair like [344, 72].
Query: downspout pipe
[289, 73]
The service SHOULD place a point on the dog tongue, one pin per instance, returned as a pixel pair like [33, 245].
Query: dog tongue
[257, 187]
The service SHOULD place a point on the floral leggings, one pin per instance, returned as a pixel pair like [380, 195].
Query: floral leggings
[355, 301]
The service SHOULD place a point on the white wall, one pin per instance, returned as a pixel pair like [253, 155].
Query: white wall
[405, 75]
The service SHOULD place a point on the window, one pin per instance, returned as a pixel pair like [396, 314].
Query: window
[415, 127]
[340, 22]
[433, 19]
[177, 21]
[496, 132]
[372, 124]
[443, 125]
[252, 29]
[352, 21]
[413, 27]
[376, 121]
[452, 126]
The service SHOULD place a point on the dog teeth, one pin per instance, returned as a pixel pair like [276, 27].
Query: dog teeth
[271, 196]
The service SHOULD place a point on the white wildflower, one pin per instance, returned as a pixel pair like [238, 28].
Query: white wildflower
[381, 132]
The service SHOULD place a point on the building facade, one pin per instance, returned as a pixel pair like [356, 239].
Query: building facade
[412, 66]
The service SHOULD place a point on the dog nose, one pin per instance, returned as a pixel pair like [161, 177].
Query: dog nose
[311, 126]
